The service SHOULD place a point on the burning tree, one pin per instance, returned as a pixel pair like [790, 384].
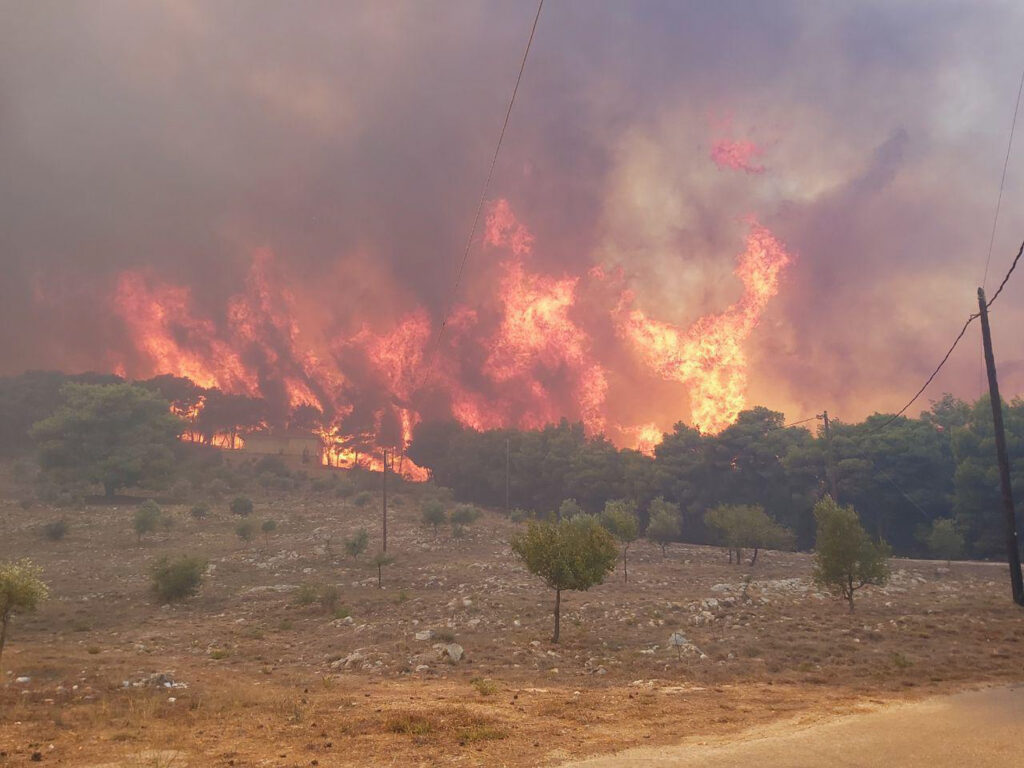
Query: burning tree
[117, 435]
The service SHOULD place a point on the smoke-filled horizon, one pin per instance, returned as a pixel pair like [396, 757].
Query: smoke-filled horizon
[697, 206]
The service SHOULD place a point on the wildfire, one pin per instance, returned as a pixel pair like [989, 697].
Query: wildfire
[736, 155]
[525, 355]
[709, 356]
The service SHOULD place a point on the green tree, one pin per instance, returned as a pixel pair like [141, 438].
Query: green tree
[745, 526]
[568, 509]
[619, 517]
[433, 514]
[268, 527]
[945, 541]
[845, 558]
[356, 544]
[117, 435]
[571, 554]
[177, 579]
[21, 591]
[665, 523]
[147, 518]
[241, 506]
[245, 530]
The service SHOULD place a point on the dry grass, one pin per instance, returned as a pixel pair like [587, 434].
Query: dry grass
[267, 679]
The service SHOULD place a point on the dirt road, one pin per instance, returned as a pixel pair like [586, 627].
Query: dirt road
[978, 728]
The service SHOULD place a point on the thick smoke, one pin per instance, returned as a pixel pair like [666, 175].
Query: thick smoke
[174, 141]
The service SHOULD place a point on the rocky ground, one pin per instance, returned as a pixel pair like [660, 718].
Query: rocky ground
[449, 661]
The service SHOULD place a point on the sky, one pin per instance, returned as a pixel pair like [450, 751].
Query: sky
[352, 139]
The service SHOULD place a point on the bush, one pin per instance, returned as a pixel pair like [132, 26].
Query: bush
[218, 488]
[519, 515]
[242, 506]
[180, 491]
[362, 498]
[307, 594]
[200, 511]
[433, 513]
[356, 544]
[345, 489]
[147, 518]
[56, 530]
[568, 509]
[245, 530]
[464, 514]
[178, 579]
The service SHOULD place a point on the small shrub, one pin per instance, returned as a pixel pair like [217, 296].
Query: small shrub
[464, 514]
[362, 498]
[268, 527]
[445, 636]
[356, 544]
[241, 506]
[519, 515]
[180, 491]
[147, 518]
[345, 488]
[177, 579]
[484, 686]
[217, 489]
[56, 530]
[330, 595]
[166, 521]
[219, 653]
[433, 513]
[26, 504]
[307, 594]
[569, 509]
[245, 530]
[200, 511]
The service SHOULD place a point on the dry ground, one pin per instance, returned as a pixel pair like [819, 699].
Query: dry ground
[252, 678]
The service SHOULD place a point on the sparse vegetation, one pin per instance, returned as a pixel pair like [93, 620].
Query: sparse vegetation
[945, 541]
[56, 530]
[177, 579]
[665, 523]
[356, 544]
[241, 506]
[245, 530]
[846, 559]
[268, 527]
[362, 498]
[619, 518]
[433, 514]
[200, 511]
[380, 560]
[21, 591]
[147, 518]
[573, 554]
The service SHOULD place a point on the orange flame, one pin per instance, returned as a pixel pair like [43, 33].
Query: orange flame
[709, 356]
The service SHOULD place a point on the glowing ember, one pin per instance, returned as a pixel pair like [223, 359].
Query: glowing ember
[736, 155]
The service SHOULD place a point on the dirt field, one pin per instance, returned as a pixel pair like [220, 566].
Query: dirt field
[246, 675]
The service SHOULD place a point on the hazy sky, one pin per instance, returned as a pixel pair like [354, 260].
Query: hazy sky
[180, 136]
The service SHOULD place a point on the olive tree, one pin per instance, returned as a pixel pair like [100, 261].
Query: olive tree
[21, 591]
[619, 517]
[845, 557]
[742, 526]
[664, 525]
[433, 514]
[571, 554]
[944, 540]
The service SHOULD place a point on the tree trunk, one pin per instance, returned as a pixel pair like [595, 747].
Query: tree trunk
[754, 558]
[739, 556]
[625, 567]
[662, 551]
[558, 614]
[3, 639]
[379, 566]
[108, 490]
[850, 585]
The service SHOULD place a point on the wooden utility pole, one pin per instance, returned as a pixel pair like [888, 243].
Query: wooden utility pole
[508, 475]
[1012, 550]
[384, 503]
[830, 459]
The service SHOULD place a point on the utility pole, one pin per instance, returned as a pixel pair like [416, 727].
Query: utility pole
[830, 460]
[1012, 550]
[384, 503]
[508, 474]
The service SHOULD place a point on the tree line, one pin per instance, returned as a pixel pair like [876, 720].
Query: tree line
[903, 479]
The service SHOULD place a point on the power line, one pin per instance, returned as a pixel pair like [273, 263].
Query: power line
[1013, 266]
[487, 182]
[956, 341]
[1002, 180]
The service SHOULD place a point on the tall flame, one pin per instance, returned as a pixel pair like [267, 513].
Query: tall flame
[527, 353]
